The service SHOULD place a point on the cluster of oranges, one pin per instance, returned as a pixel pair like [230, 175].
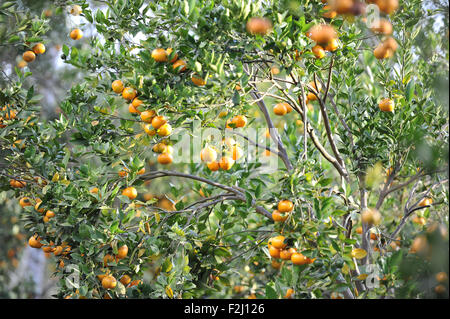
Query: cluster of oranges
[154, 124]
[30, 55]
[283, 210]
[325, 37]
[278, 250]
[237, 121]
[259, 26]
[162, 55]
[209, 155]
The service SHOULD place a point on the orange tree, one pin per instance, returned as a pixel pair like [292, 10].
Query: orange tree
[154, 181]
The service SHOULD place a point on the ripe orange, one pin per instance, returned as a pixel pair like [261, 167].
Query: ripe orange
[208, 154]
[122, 252]
[94, 190]
[425, 202]
[125, 280]
[159, 121]
[240, 121]
[129, 93]
[135, 283]
[159, 148]
[130, 192]
[226, 163]
[329, 12]
[387, 105]
[213, 166]
[280, 109]
[373, 236]
[359, 230]
[440, 289]
[381, 26]
[198, 81]
[165, 159]
[136, 102]
[141, 171]
[274, 252]
[179, 65]
[318, 51]
[76, 34]
[21, 64]
[123, 173]
[286, 254]
[390, 44]
[332, 45]
[35, 241]
[117, 86]
[133, 109]
[371, 216]
[149, 130]
[285, 206]
[289, 293]
[17, 184]
[49, 214]
[169, 52]
[39, 48]
[29, 56]
[237, 152]
[164, 130]
[159, 55]
[441, 277]
[342, 6]
[109, 282]
[322, 33]
[278, 217]
[24, 202]
[260, 26]
[278, 242]
[381, 52]
[299, 259]
[148, 116]
[387, 6]
[58, 250]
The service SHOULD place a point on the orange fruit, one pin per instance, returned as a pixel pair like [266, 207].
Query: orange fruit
[213, 166]
[125, 280]
[109, 282]
[381, 52]
[280, 109]
[49, 214]
[17, 184]
[373, 236]
[299, 259]
[21, 64]
[123, 173]
[58, 250]
[159, 55]
[285, 206]
[342, 6]
[425, 202]
[387, 6]
[29, 56]
[75, 10]
[36, 207]
[208, 154]
[133, 109]
[141, 171]
[240, 121]
[332, 45]
[278, 217]
[148, 116]
[94, 190]
[387, 105]
[198, 81]
[136, 102]
[165, 159]
[130, 192]
[181, 64]
[440, 289]
[76, 34]
[135, 283]
[318, 51]
[381, 26]
[322, 33]
[390, 44]
[226, 163]
[117, 86]
[169, 52]
[274, 252]
[159, 148]
[25, 202]
[441, 277]
[286, 254]
[260, 26]
[35, 241]
[289, 293]
[129, 93]
[278, 242]
[149, 130]
[159, 121]
[122, 252]
[237, 152]
[329, 12]
[359, 230]
[164, 130]
[39, 48]
[371, 216]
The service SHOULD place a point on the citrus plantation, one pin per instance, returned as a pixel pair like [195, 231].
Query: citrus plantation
[290, 149]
